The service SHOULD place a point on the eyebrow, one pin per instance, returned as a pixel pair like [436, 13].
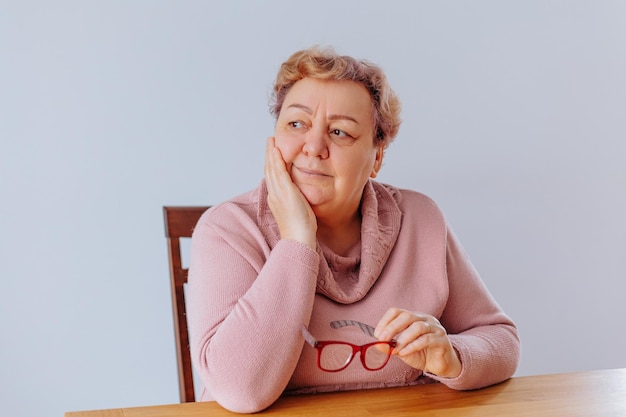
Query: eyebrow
[331, 117]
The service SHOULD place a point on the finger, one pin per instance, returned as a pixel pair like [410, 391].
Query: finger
[396, 320]
[269, 148]
[425, 334]
[432, 353]
[409, 336]
[419, 345]
[276, 175]
[390, 315]
[269, 145]
[271, 152]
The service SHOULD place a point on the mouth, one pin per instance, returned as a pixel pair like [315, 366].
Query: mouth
[310, 171]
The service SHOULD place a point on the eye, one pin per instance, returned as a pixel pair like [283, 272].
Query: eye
[339, 133]
[341, 137]
[296, 124]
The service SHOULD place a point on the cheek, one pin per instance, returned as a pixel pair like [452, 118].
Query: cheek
[287, 145]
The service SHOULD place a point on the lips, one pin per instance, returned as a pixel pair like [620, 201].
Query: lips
[310, 171]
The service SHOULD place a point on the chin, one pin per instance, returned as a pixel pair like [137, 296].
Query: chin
[313, 195]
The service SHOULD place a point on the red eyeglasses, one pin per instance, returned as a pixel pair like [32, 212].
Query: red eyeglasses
[335, 356]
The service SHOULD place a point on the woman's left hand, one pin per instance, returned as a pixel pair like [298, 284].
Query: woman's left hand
[423, 342]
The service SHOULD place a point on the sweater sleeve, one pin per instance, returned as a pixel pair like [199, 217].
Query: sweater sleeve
[485, 338]
[246, 306]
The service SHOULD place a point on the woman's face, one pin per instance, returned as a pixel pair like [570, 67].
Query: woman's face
[325, 132]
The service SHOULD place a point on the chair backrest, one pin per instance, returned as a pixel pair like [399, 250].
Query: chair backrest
[179, 223]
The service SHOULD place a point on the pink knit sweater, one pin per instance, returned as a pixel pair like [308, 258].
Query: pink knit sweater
[250, 293]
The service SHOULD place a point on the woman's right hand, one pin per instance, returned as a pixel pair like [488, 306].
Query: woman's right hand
[290, 208]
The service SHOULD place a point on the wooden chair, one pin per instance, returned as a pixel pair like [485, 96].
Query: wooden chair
[179, 223]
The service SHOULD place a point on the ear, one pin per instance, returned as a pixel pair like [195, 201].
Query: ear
[378, 162]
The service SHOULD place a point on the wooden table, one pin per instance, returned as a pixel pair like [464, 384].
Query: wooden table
[584, 394]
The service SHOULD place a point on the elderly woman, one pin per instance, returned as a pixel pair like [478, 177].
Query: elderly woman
[320, 264]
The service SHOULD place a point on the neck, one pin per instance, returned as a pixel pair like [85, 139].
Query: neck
[340, 235]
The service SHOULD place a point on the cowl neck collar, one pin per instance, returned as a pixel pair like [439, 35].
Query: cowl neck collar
[347, 279]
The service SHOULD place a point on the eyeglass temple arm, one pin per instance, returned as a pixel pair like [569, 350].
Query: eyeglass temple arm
[308, 336]
[366, 328]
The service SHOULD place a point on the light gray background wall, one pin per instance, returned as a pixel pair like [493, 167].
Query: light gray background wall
[514, 121]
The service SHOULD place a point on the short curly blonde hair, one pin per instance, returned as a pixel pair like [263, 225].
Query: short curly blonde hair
[326, 64]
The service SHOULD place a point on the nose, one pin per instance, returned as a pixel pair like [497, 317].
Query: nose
[316, 143]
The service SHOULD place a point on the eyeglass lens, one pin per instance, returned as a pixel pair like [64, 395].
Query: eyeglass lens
[336, 356]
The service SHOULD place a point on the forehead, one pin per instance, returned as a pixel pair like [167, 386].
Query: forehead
[333, 97]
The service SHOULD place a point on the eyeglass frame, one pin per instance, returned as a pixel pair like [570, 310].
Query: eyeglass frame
[319, 345]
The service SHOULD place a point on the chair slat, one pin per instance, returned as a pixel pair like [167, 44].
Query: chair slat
[179, 223]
